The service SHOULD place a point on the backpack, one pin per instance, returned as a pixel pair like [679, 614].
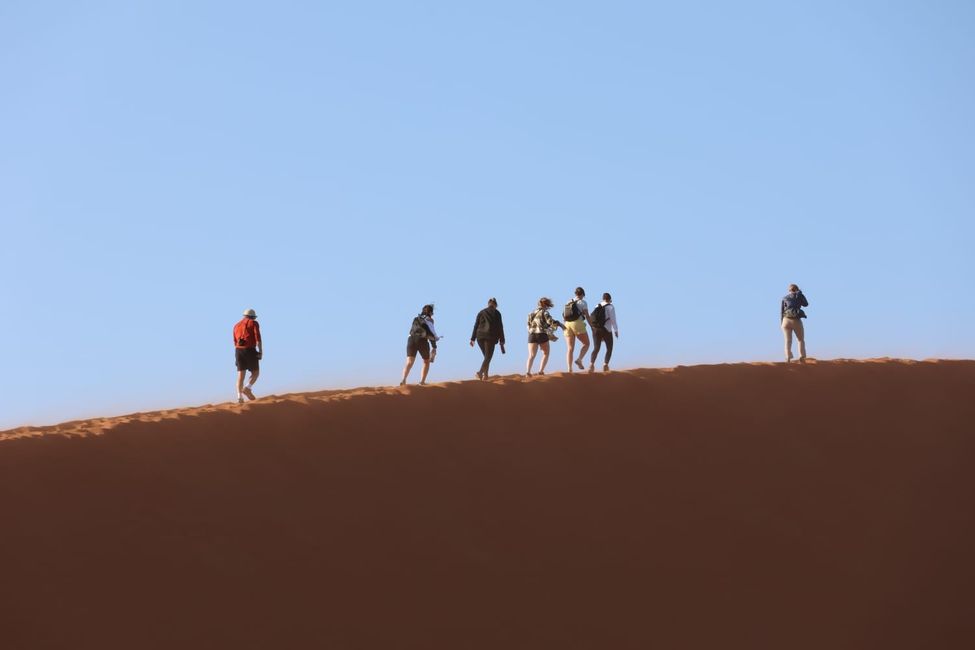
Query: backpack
[531, 318]
[598, 316]
[571, 311]
[792, 308]
[418, 329]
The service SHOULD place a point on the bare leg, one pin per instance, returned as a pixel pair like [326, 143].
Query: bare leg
[545, 350]
[248, 393]
[240, 381]
[570, 342]
[406, 370]
[532, 351]
[584, 338]
[424, 371]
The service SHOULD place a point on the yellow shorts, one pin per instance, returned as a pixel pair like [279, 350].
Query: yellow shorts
[575, 327]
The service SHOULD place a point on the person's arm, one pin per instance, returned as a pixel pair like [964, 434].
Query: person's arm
[782, 310]
[428, 323]
[501, 328]
[260, 343]
[477, 319]
[551, 322]
[802, 299]
[612, 319]
[585, 314]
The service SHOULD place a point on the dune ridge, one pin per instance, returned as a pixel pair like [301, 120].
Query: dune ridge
[735, 505]
[99, 425]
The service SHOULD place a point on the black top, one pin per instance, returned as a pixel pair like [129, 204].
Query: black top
[488, 325]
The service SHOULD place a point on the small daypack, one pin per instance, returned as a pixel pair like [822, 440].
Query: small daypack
[598, 316]
[571, 311]
[418, 329]
[792, 308]
[532, 317]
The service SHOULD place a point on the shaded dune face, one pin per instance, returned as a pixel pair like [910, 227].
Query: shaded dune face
[751, 506]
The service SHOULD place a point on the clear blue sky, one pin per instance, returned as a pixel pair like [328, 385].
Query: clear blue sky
[165, 165]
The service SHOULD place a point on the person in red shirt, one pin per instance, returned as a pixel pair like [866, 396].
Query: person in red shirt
[249, 351]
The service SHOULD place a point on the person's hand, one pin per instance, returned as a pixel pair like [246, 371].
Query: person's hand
[617, 334]
[472, 342]
[502, 348]
[260, 355]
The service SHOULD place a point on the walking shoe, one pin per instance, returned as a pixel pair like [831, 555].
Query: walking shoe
[579, 363]
[592, 368]
[605, 367]
[240, 400]
[248, 393]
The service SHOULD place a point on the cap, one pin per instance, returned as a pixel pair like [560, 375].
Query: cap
[250, 313]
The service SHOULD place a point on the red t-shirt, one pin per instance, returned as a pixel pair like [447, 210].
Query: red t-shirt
[248, 330]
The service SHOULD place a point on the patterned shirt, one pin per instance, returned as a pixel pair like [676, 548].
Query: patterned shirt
[541, 322]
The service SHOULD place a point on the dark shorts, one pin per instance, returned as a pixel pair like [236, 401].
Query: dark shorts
[414, 345]
[538, 338]
[247, 359]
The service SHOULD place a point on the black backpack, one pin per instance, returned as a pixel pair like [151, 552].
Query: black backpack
[418, 330]
[598, 316]
[571, 311]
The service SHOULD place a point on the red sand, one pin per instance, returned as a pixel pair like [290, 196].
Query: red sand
[735, 506]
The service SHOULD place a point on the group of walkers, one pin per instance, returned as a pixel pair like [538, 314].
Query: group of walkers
[488, 335]
[542, 328]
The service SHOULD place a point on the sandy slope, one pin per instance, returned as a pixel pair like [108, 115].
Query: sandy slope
[741, 506]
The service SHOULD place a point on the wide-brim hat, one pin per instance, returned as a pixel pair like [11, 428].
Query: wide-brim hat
[250, 313]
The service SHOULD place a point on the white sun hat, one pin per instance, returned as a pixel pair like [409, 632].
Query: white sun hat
[250, 313]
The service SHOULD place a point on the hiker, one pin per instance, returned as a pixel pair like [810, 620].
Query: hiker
[790, 316]
[541, 328]
[604, 327]
[576, 315]
[422, 335]
[249, 351]
[488, 332]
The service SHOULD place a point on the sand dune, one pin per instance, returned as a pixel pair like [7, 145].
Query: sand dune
[742, 506]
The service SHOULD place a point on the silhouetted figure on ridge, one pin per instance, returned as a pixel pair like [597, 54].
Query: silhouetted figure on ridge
[422, 336]
[249, 350]
[791, 316]
[576, 315]
[541, 330]
[604, 326]
[488, 332]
